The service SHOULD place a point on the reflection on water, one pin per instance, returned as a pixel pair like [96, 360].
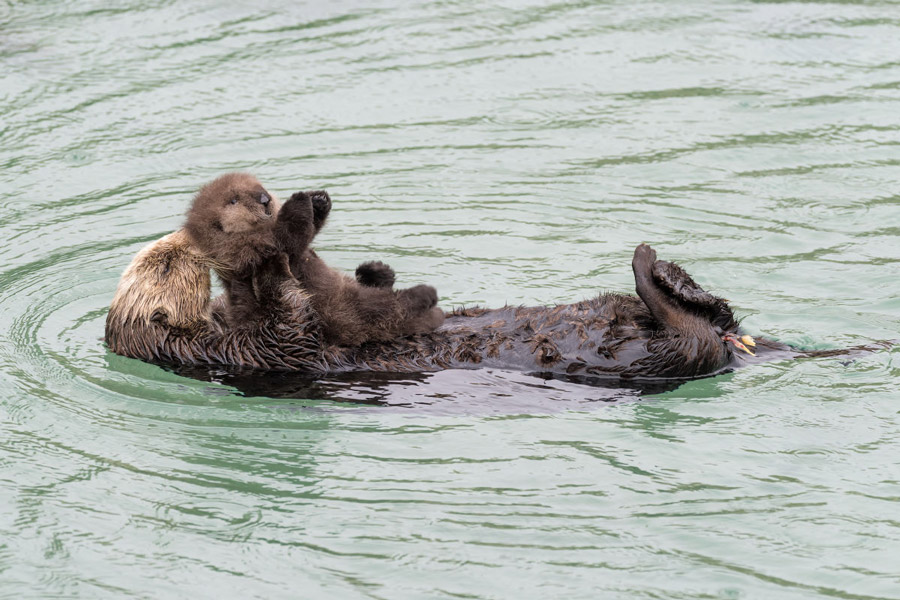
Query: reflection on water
[506, 152]
[477, 391]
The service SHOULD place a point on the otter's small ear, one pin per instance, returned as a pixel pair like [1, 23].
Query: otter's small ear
[160, 317]
[218, 226]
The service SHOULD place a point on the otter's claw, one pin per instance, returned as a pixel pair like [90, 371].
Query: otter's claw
[321, 203]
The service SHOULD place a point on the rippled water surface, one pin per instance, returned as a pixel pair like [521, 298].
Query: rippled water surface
[505, 152]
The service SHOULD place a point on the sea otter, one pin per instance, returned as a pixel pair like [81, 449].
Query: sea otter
[237, 223]
[162, 313]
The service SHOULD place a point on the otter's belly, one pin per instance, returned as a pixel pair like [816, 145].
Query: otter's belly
[578, 339]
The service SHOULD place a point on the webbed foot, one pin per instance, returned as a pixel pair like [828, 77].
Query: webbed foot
[419, 298]
[375, 274]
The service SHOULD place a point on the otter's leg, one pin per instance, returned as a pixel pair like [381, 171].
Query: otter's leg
[386, 314]
[691, 346]
[241, 302]
[666, 313]
[268, 281]
[426, 321]
[421, 313]
[417, 299]
[370, 274]
[251, 299]
[294, 229]
[375, 274]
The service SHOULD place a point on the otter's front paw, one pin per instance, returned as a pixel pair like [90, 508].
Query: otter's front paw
[269, 275]
[321, 203]
[420, 298]
[645, 255]
[265, 252]
[375, 274]
[298, 209]
[642, 263]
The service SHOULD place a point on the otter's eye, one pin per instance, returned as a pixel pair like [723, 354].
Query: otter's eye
[234, 199]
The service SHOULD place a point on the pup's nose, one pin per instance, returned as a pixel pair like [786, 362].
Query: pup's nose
[264, 199]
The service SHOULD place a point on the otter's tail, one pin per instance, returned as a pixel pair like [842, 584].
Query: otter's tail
[768, 350]
[851, 352]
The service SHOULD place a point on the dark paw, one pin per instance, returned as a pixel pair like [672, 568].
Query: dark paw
[375, 274]
[273, 271]
[266, 251]
[678, 284]
[321, 203]
[434, 318]
[644, 257]
[420, 298]
[298, 209]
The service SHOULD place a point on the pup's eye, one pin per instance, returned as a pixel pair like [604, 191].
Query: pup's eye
[234, 199]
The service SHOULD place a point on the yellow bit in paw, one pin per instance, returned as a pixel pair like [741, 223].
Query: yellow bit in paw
[746, 349]
[737, 344]
[748, 340]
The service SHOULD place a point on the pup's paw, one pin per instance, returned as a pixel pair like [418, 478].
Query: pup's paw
[273, 270]
[375, 274]
[298, 209]
[420, 298]
[321, 203]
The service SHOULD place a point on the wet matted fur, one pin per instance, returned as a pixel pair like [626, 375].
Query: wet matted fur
[673, 329]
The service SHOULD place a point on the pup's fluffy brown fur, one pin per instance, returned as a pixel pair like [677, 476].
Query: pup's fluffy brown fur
[239, 226]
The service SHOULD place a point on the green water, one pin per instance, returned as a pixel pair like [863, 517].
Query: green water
[504, 152]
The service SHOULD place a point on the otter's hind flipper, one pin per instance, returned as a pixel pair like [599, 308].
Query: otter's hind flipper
[690, 342]
[661, 306]
[674, 299]
[676, 282]
[418, 299]
[680, 285]
[419, 304]
[375, 274]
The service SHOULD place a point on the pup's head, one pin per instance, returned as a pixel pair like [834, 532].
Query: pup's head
[230, 216]
[232, 203]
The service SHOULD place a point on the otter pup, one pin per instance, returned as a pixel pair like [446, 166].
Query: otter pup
[238, 224]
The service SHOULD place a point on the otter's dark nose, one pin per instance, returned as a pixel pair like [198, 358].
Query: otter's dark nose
[264, 199]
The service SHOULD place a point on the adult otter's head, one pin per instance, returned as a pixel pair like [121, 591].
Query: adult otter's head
[165, 287]
[231, 220]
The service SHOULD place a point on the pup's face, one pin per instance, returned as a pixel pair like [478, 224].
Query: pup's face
[233, 203]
